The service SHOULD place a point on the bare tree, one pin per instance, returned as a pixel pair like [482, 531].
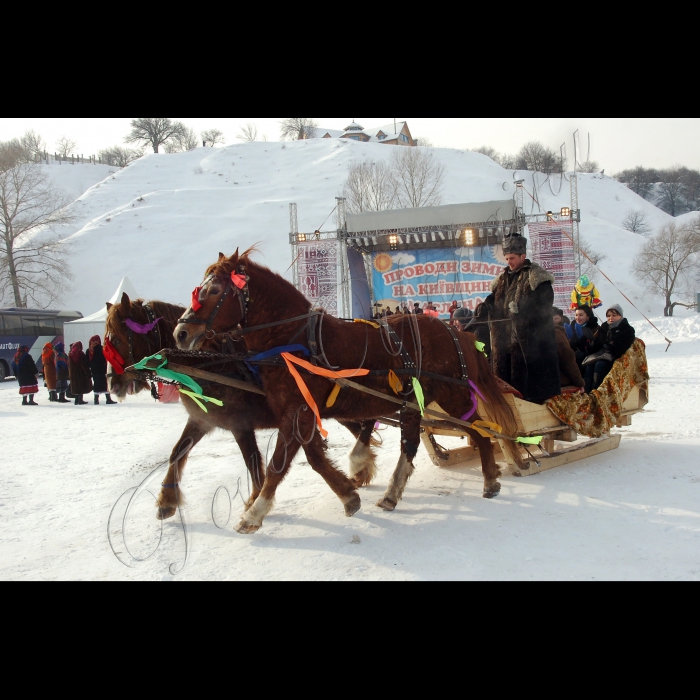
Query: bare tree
[154, 131]
[636, 222]
[537, 157]
[34, 145]
[369, 187]
[185, 140]
[508, 161]
[119, 156]
[489, 151]
[671, 198]
[640, 180]
[11, 153]
[298, 129]
[419, 178]
[33, 260]
[65, 146]
[248, 133]
[668, 262]
[590, 166]
[423, 142]
[591, 258]
[213, 137]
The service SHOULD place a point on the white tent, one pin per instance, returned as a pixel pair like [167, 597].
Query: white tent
[85, 328]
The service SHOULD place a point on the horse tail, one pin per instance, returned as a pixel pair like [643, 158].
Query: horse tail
[498, 409]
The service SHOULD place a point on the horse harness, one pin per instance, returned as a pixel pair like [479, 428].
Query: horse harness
[243, 294]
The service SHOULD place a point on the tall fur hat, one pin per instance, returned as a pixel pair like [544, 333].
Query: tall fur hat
[515, 244]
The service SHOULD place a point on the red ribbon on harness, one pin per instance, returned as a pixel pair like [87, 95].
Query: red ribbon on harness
[196, 306]
[113, 357]
[239, 280]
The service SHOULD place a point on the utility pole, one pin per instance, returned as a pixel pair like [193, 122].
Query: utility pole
[294, 240]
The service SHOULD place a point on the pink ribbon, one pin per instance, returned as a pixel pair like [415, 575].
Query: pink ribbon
[238, 280]
[475, 404]
[142, 330]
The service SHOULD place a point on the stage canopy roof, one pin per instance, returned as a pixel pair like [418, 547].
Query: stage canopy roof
[429, 217]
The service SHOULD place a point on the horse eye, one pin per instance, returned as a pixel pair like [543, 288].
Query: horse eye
[213, 291]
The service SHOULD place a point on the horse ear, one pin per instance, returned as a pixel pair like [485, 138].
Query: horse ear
[126, 303]
[109, 307]
[234, 258]
[222, 257]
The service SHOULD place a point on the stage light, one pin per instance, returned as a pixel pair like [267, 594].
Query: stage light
[393, 241]
[302, 238]
[550, 216]
[469, 237]
[566, 212]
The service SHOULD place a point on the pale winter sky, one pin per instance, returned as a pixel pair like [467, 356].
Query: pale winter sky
[616, 143]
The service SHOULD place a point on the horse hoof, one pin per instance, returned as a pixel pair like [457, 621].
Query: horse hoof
[166, 513]
[353, 505]
[492, 490]
[517, 473]
[387, 505]
[245, 528]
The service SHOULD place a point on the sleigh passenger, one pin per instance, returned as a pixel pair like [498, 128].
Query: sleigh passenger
[611, 342]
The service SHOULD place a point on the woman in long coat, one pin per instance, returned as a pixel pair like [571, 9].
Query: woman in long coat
[79, 368]
[98, 368]
[62, 373]
[48, 365]
[25, 370]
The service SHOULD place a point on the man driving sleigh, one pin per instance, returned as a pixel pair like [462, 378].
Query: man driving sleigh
[522, 329]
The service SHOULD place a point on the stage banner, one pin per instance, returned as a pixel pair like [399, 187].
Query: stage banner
[552, 247]
[441, 276]
[359, 285]
[318, 274]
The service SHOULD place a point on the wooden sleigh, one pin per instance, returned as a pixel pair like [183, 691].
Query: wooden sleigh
[561, 445]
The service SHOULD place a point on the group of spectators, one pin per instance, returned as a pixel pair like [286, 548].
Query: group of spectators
[66, 376]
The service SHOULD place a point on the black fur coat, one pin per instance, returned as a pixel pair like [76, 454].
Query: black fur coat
[522, 331]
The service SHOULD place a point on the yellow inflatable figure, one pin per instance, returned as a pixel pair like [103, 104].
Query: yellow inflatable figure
[585, 294]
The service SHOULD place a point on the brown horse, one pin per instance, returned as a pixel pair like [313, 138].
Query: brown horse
[241, 414]
[243, 299]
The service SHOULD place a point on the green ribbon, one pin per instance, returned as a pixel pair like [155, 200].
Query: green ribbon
[196, 392]
[481, 347]
[420, 397]
[196, 397]
[530, 440]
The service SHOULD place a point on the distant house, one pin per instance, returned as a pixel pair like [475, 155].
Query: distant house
[392, 134]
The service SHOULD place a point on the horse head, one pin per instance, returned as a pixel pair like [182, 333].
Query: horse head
[133, 332]
[218, 305]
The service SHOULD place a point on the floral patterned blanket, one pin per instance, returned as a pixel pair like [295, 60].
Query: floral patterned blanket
[596, 413]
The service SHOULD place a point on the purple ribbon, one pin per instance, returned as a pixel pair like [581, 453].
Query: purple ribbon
[466, 417]
[142, 330]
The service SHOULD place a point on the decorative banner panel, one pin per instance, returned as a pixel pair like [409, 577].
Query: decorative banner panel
[552, 247]
[318, 274]
[442, 276]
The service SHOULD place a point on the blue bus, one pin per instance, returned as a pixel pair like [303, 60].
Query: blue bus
[31, 328]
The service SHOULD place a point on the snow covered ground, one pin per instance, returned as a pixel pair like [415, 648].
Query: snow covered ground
[630, 514]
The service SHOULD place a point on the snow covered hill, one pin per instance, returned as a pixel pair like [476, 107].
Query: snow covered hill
[77, 179]
[163, 220]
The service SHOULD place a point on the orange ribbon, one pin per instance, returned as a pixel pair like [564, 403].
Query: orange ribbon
[320, 372]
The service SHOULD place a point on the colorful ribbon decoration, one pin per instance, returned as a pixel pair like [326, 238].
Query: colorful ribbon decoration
[196, 391]
[333, 397]
[113, 357]
[290, 360]
[420, 398]
[479, 426]
[196, 306]
[530, 440]
[369, 323]
[481, 347]
[395, 382]
[142, 330]
[475, 404]
[239, 280]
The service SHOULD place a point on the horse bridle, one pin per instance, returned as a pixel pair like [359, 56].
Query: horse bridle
[130, 335]
[243, 298]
